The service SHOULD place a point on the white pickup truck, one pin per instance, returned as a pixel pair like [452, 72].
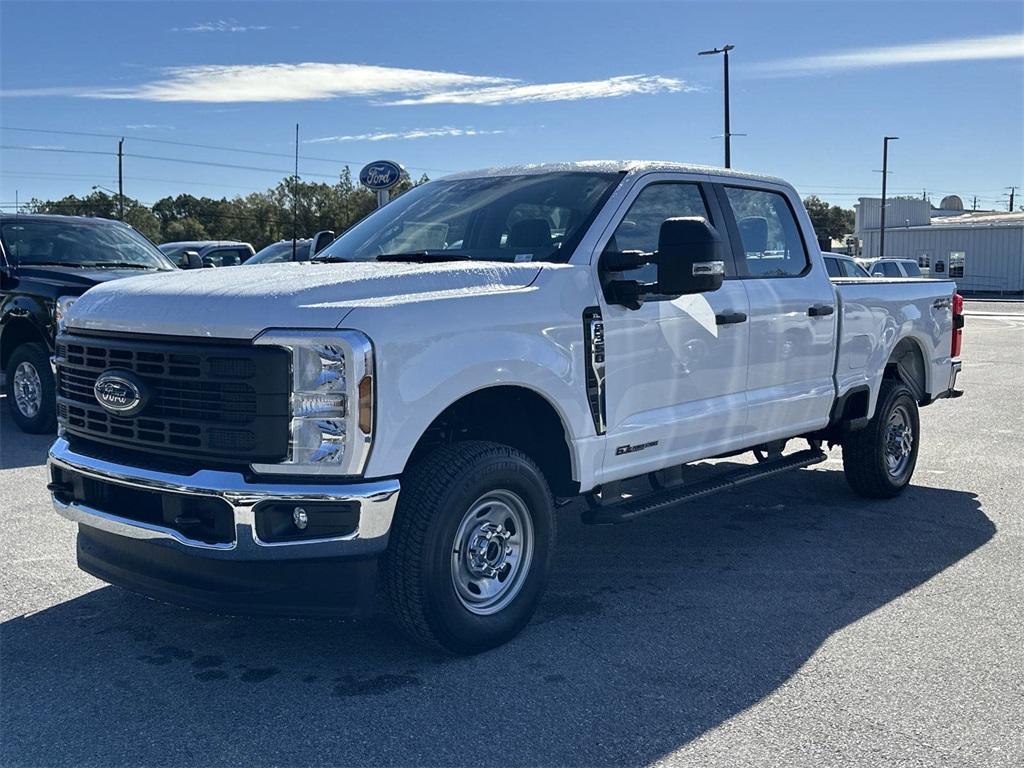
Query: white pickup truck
[409, 410]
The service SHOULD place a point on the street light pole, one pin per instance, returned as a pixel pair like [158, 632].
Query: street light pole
[120, 178]
[885, 175]
[725, 65]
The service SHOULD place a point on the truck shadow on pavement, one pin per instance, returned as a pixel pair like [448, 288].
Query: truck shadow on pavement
[18, 449]
[651, 634]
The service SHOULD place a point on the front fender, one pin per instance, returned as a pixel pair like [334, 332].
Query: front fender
[23, 310]
[430, 355]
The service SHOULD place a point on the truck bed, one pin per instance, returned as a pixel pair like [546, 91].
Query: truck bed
[875, 313]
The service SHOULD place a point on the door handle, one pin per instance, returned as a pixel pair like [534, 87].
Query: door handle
[820, 310]
[729, 318]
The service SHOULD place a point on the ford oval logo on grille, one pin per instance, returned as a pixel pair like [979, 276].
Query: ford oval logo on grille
[119, 392]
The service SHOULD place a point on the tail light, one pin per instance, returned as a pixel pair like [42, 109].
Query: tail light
[958, 324]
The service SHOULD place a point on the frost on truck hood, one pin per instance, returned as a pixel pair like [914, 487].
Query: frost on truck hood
[239, 302]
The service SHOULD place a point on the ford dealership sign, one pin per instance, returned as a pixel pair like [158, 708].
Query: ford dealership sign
[382, 174]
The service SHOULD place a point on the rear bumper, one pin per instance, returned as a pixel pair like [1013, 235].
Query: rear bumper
[952, 391]
[137, 544]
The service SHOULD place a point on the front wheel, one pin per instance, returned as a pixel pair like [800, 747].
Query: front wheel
[879, 459]
[30, 389]
[470, 547]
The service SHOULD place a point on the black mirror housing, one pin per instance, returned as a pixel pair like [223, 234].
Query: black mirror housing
[689, 257]
[190, 260]
[321, 240]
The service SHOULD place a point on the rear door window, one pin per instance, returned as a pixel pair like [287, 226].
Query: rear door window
[832, 267]
[911, 268]
[772, 244]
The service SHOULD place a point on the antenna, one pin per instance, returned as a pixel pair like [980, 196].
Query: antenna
[295, 191]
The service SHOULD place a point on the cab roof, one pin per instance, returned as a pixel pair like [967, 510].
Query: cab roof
[612, 166]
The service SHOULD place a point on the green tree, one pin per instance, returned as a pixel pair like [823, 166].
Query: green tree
[259, 218]
[829, 220]
[185, 229]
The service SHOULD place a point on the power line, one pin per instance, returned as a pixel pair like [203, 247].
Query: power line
[187, 161]
[207, 146]
[58, 149]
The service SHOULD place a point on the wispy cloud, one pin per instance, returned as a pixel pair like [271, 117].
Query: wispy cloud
[523, 93]
[221, 25]
[290, 82]
[958, 49]
[416, 133]
[256, 83]
[148, 127]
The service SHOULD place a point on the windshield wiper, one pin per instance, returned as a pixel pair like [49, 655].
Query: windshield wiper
[331, 260]
[424, 257]
[72, 265]
[121, 264]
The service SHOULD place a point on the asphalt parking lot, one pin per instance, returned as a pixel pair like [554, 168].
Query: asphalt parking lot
[789, 623]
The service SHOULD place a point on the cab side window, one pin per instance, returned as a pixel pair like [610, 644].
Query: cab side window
[639, 229]
[772, 244]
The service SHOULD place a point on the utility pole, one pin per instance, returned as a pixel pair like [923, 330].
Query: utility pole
[1012, 190]
[728, 133]
[974, 205]
[295, 191]
[885, 175]
[120, 179]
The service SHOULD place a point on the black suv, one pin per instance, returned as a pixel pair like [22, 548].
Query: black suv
[46, 262]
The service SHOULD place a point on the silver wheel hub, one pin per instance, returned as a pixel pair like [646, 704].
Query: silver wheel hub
[28, 390]
[492, 552]
[899, 442]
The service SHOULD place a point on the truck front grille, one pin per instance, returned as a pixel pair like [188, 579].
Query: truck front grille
[223, 401]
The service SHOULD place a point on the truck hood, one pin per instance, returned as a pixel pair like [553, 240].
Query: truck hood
[77, 280]
[240, 302]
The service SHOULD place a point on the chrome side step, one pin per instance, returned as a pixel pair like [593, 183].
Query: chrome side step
[625, 511]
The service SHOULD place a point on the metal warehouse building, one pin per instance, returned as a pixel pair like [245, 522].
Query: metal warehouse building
[982, 250]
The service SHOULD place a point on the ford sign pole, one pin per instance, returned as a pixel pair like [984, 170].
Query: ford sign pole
[381, 176]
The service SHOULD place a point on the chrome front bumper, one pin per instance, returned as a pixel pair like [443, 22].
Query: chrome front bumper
[376, 501]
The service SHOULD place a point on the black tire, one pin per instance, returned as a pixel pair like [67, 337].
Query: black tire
[45, 418]
[867, 461]
[419, 570]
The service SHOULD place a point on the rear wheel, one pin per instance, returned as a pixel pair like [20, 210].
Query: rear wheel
[879, 459]
[470, 547]
[30, 389]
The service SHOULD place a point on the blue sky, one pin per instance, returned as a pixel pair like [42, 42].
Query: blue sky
[441, 87]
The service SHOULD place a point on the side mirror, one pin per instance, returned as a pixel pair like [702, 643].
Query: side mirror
[689, 257]
[321, 240]
[190, 260]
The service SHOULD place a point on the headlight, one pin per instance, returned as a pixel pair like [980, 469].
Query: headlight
[331, 420]
[60, 310]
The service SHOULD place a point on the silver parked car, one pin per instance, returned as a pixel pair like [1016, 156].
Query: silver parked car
[212, 253]
[895, 268]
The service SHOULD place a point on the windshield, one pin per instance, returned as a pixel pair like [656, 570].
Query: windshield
[538, 217]
[86, 243]
[278, 252]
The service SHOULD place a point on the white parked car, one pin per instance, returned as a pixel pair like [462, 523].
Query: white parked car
[895, 268]
[838, 265]
[421, 398]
